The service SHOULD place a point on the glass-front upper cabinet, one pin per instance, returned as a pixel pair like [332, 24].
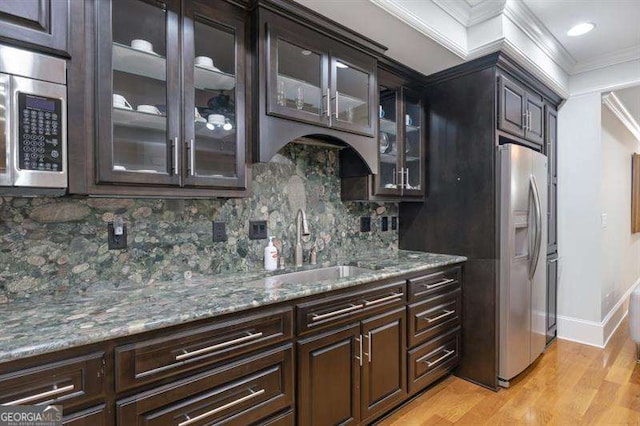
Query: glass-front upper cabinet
[171, 93]
[400, 139]
[214, 94]
[138, 108]
[315, 80]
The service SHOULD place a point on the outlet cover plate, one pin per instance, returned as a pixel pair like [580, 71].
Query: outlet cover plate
[384, 223]
[116, 242]
[365, 224]
[219, 232]
[394, 223]
[257, 229]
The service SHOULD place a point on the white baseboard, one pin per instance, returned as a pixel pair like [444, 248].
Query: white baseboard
[595, 333]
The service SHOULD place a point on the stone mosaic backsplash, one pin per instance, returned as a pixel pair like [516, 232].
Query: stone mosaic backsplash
[52, 245]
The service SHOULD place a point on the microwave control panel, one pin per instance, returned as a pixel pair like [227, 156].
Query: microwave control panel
[39, 133]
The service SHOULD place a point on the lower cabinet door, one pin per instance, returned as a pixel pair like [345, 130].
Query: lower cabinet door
[384, 378]
[329, 378]
[238, 393]
[96, 416]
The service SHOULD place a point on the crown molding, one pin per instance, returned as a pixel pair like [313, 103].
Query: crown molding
[616, 57]
[523, 18]
[611, 101]
[468, 15]
[405, 15]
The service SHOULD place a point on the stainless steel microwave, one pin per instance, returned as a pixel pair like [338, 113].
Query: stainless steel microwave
[33, 123]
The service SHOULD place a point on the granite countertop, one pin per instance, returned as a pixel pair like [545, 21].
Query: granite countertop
[50, 323]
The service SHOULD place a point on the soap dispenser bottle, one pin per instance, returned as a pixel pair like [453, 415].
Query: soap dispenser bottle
[270, 256]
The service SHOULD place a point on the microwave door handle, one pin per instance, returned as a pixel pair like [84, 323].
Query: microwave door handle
[535, 255]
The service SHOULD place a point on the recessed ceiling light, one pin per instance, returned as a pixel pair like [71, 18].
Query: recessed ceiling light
[580, 29]
[306, 52]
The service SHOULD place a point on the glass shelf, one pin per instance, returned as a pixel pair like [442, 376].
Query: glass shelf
[133, 61]
[209, 79]
[390, 127]
[130, 118]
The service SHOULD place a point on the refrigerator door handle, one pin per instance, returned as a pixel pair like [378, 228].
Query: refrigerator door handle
[533, 265]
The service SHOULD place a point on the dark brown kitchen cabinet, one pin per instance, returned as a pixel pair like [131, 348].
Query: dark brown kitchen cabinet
[95, 416]
[551, 125]
[170, 105]
[384, 375]
[353, 374]
[520, 111]
[314, 79]
[552, 296]
[39, 24]
[238, 393]
[401, 141]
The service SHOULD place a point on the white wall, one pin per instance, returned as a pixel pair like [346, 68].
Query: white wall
[579, 207]
[620, 248]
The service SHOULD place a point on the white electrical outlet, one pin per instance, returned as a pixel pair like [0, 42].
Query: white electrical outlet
[604, 220]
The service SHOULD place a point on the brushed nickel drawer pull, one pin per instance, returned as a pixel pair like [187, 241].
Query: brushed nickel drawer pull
[383, 299]
[444, 315]
[221, 408]
[446, 355]
[352, 308]
[439, 283]
[55, 391]
[249, 336]
[359, 340]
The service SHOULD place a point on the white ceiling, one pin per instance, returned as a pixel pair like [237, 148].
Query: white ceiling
[616, 36]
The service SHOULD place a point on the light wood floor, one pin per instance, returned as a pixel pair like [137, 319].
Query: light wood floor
[572, 384]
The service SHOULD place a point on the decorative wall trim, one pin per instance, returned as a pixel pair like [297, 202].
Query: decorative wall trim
[469, 15]
[529, 23]
[405, 15]
[616, 57]
[594, 333]
[620, 111]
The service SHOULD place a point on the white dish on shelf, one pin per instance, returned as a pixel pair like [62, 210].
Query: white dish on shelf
[123, 107]
[119, 168]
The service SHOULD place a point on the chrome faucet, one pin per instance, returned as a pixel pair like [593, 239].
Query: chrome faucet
[301, 222]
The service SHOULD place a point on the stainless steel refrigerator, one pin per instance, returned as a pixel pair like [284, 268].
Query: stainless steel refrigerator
[523, 249]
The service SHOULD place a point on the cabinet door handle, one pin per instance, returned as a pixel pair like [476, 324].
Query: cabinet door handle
[186, 354]
[393, 297]
[395, 177]
[359, 358]
[439, 283]
[406, 182]
[401, 173]
[554, 260]
[524, 120]
[175, 169]
[352, 308]
[192, 158]
[53, 392]
[251, 395]
[337, 110]
[446, 355]
[369, 354]
[328, 112]
[439, 317]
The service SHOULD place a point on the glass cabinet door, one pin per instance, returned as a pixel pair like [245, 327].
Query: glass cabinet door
[297, 81]
[387, 179]
[352, 93]
[137, 91]
[214, 126]
[412, 123]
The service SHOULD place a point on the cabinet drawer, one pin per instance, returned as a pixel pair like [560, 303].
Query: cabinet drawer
[96, 416]
[238, 393]
[434, 359]
[147, 361]
[426, 286]
[336, 310]
[284, 419]
[434, 316]
[69, 382]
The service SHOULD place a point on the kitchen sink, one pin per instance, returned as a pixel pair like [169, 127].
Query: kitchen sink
[311, 275]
